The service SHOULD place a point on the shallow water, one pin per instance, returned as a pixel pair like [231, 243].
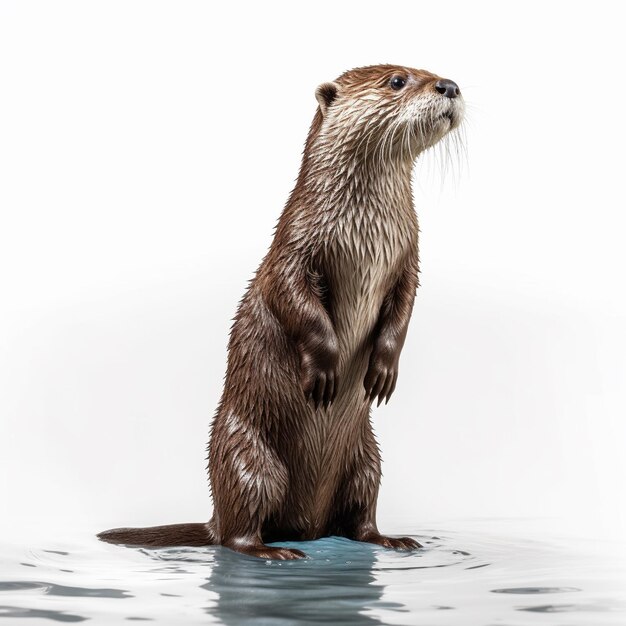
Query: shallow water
[460, 577]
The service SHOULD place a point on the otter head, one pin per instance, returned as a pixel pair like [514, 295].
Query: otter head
[387, 111]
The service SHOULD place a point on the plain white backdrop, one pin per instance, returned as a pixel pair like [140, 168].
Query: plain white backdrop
[146, 152]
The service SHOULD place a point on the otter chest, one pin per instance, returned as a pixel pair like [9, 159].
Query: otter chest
[364, 252]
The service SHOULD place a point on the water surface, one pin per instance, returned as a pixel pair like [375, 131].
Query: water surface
[460, 577]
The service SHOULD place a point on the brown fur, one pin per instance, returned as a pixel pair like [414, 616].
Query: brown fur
[319, 332]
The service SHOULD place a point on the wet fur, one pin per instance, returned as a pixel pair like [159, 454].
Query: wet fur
[318, 334]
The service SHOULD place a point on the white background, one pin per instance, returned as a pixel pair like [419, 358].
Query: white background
[146, 151]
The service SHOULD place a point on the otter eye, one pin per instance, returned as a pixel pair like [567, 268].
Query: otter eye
[397, 82]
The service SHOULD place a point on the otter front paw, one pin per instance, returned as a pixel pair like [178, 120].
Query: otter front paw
[319, 373]
[382, 372]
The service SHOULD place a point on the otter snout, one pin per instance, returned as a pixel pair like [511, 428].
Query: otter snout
[447, 88]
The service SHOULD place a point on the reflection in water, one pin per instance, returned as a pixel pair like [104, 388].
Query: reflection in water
[335, 584]
[457, 579]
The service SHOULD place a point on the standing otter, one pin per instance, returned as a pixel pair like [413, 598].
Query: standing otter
[318, 334]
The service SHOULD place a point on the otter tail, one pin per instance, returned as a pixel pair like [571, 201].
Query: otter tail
[162, 536]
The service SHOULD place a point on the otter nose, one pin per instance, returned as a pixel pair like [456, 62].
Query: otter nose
[447, 88]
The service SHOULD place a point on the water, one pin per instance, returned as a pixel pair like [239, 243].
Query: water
[460, 577]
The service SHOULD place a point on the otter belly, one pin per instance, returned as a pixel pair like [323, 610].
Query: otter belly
[330, 438]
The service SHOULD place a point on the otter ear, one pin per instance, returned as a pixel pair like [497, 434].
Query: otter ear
[325, 94]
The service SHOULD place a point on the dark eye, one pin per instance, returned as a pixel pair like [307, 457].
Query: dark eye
[397, 82]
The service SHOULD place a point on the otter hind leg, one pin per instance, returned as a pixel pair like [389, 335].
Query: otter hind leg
[254, 546]
[249, 484]
[356, 513]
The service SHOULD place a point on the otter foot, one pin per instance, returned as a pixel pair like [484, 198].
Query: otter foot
[262, 551]
[401, 543]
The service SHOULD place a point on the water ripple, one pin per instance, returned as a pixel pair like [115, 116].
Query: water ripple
[457, 579]
[525, 590]
[57, 616]
[62, 590]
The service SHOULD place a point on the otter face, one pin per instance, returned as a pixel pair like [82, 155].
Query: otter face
[388, 111]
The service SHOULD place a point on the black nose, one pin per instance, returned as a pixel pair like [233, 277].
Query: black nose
[447, 88]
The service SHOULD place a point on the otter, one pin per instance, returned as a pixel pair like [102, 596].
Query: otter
[317, 336]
